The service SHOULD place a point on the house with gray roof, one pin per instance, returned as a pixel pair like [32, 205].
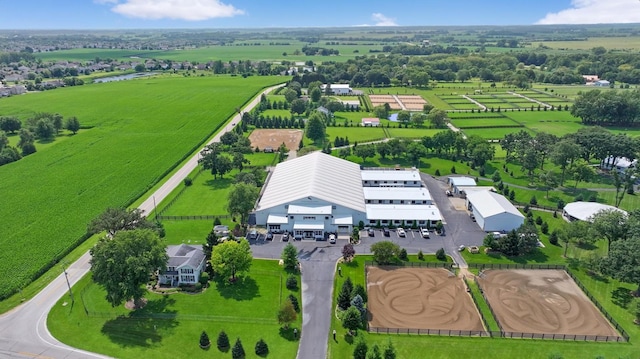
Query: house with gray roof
[184, 266]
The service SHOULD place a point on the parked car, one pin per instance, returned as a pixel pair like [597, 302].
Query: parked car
[461, 248]
[269, 236]
[332, 238]
[448, 193]
[371, 232]
[253, 234]
[424, 232]
[385, 231]
[285, 237]
[472, 216]
[401, 232]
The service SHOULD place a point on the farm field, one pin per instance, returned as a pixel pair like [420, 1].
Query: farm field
[140, 130]
[494, 133]
[480, 122]
[162, 329]
[356, 134]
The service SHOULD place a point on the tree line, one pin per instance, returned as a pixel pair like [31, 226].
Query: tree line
[42, 126]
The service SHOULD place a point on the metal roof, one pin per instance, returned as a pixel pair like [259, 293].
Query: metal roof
[293, 209]
[397, 193]
[316, 175]
[419, 212]
[390, 175]
[462, 181]
[585, 210]
[488, 204]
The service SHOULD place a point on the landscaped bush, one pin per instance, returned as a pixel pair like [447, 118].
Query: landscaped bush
[292, 282]
[204, 340]
[204, 278]
[420, 255]
[188, 181]
[544, 228]
[238, 350]
[294, 302]
[261, 348]
[553, 237]
[223, 342]
[403, 255]
[440, 254]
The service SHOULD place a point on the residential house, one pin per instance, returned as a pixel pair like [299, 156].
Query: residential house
[184, 266]
[370, 122]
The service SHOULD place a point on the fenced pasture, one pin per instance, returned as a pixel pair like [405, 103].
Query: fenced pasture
[380, 100]
[543, 303]
[141, 130]
[357, 133]
[494, 133]
[485, 122]
[415, 298]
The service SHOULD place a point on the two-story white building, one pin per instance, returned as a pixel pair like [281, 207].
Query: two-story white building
[184, 266]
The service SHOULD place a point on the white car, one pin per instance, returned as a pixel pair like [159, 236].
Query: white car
[332, 238]
[401, 232]
[424, 232]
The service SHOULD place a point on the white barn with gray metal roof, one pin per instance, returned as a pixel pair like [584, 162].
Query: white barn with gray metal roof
[493, 212]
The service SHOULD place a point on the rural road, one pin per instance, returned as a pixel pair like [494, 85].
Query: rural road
[23, 330]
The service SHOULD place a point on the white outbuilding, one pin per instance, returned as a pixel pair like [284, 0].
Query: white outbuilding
[584, 211]
[456, 182]
[493, 212]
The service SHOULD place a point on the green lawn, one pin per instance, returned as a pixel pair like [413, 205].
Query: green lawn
[471, 123]
[140, 130]
[356, 134]
[170, 326]
[494, 133]
[412, 132]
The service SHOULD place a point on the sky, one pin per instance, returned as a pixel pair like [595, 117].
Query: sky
[161, 14]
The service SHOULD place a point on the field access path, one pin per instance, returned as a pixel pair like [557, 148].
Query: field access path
[23, 330]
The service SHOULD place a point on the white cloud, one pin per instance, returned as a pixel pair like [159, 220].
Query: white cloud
[596, 12]
[381, 20]
[190, 10]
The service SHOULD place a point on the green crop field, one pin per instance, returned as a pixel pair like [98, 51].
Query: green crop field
[168, 325]
[140, 130]
[619, 43]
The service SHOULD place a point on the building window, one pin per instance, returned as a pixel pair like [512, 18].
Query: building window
[372, 221]
[333, 207]
[384, 221]
[186, 271]
[368, 201]
[311, 218]
[318, 233]
[401, 201]
[422, 222]
[413, 202]
[290, 217]
[274, 227]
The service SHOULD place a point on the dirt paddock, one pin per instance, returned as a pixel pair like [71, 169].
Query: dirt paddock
[419, 298]
[542, 301]
[275, 137]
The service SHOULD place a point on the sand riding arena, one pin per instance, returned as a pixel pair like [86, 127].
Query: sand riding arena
[273, 138]
[543, 304]
[420, 300]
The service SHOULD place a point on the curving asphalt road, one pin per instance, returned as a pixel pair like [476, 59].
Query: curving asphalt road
[23, 330]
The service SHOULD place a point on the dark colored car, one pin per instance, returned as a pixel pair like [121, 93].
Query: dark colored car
[371, 232]
[269, 236]
[285, 237]
[385, 231]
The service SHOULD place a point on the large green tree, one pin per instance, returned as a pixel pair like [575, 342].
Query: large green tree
[315, 128]
[385, 252]
[563, 154]
[438, 118]
[72, 124]
[115, 219]
[286, 314]
[623, 261]
[123, 264]
[230, 258]
[611, 225]
[364, 151]
[10, 124]
[241, 200]
[290, 257]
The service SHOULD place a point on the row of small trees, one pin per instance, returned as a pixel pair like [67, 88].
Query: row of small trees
[237, 352]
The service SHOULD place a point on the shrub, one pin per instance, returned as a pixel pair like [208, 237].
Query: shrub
[204, 340]
[358, 289]
[496, 176]
[553, 237]
[453, 169]
[440, 254]
[403, 255]
[437, 173]
[217, 222]
[512, 195]
[481, 172]
[238, 350]
[292, 282]
[223, 341]
[555, 214]
[261, 348]
[533, 201]
[544, 228]
[539, 220]
[420, 255]
[294, 302]
[594, 197]
[188, 181]
[579, 198]
[526, 208]
[560, 204]
[204, 278]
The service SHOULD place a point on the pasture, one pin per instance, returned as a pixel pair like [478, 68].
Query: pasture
[356, 134]
[169, 326]
[140, 130]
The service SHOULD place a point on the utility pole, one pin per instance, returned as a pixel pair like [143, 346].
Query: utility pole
[64, 270]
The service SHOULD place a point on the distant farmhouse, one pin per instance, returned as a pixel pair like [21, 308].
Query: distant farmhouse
[370, 122]
[338, 89]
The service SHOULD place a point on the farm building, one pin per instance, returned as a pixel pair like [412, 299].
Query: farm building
[338, 89]
[602, 83]
[317, 194]
[184, 266]
[370, 122]
[493, 212]
[621, 164]
[464, 190]
[584, 211]
[455, 182]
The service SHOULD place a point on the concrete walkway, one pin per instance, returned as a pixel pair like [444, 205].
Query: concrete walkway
[483, 107]
[529, 99]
